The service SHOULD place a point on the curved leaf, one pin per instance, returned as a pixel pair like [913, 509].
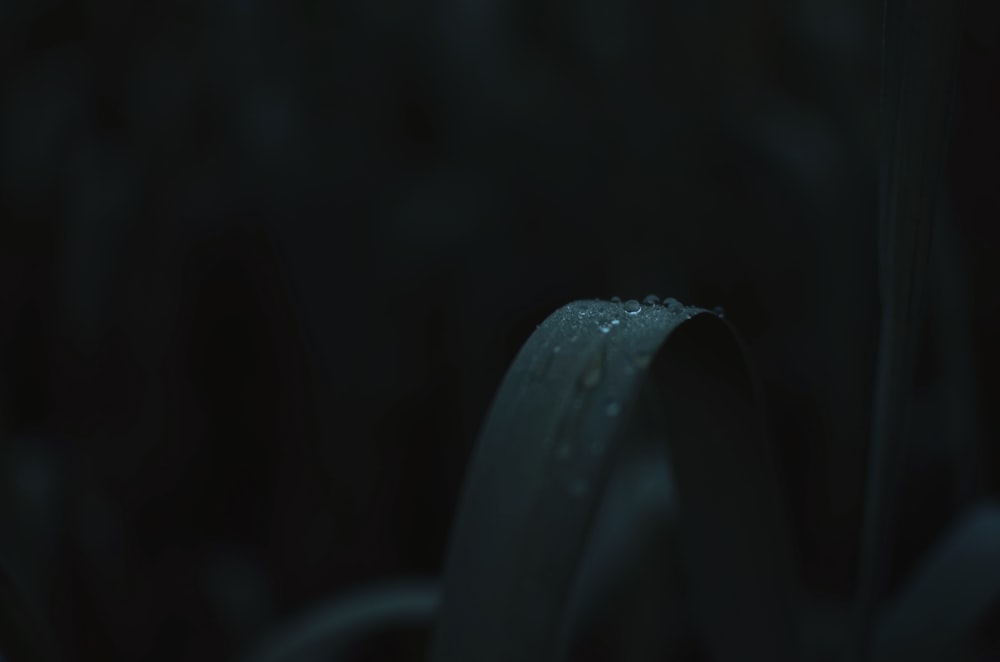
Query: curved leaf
[952, 590]
[629, 574]
[323, 631]
[558, 424]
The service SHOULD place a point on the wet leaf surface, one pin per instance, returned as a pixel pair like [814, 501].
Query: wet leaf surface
[561, 420]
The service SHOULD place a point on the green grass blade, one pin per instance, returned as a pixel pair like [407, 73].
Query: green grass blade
[557, 425]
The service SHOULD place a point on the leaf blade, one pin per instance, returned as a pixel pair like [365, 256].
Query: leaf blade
[536, 480]
[918, 76]
[948, 595]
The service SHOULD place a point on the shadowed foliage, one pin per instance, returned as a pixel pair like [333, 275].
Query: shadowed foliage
[265, 265]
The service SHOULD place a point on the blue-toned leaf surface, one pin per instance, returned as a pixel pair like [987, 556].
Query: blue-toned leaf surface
[936, 615]
[558, 424]
[326, 630]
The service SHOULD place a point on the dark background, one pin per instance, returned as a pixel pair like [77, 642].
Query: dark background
[263, 265]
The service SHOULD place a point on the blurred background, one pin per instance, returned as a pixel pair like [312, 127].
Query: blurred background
[264, 264]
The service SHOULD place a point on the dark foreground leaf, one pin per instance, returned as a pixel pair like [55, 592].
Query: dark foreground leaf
[937, 614]
[321, 633]
[594, 376]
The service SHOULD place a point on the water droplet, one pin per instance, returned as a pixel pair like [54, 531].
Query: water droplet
[613, 409]
[632, 307]
[651, 300]
[673, 305]
[594, 371]
[615, 322]
[616, 299]
[642, 360]
[605, 329]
